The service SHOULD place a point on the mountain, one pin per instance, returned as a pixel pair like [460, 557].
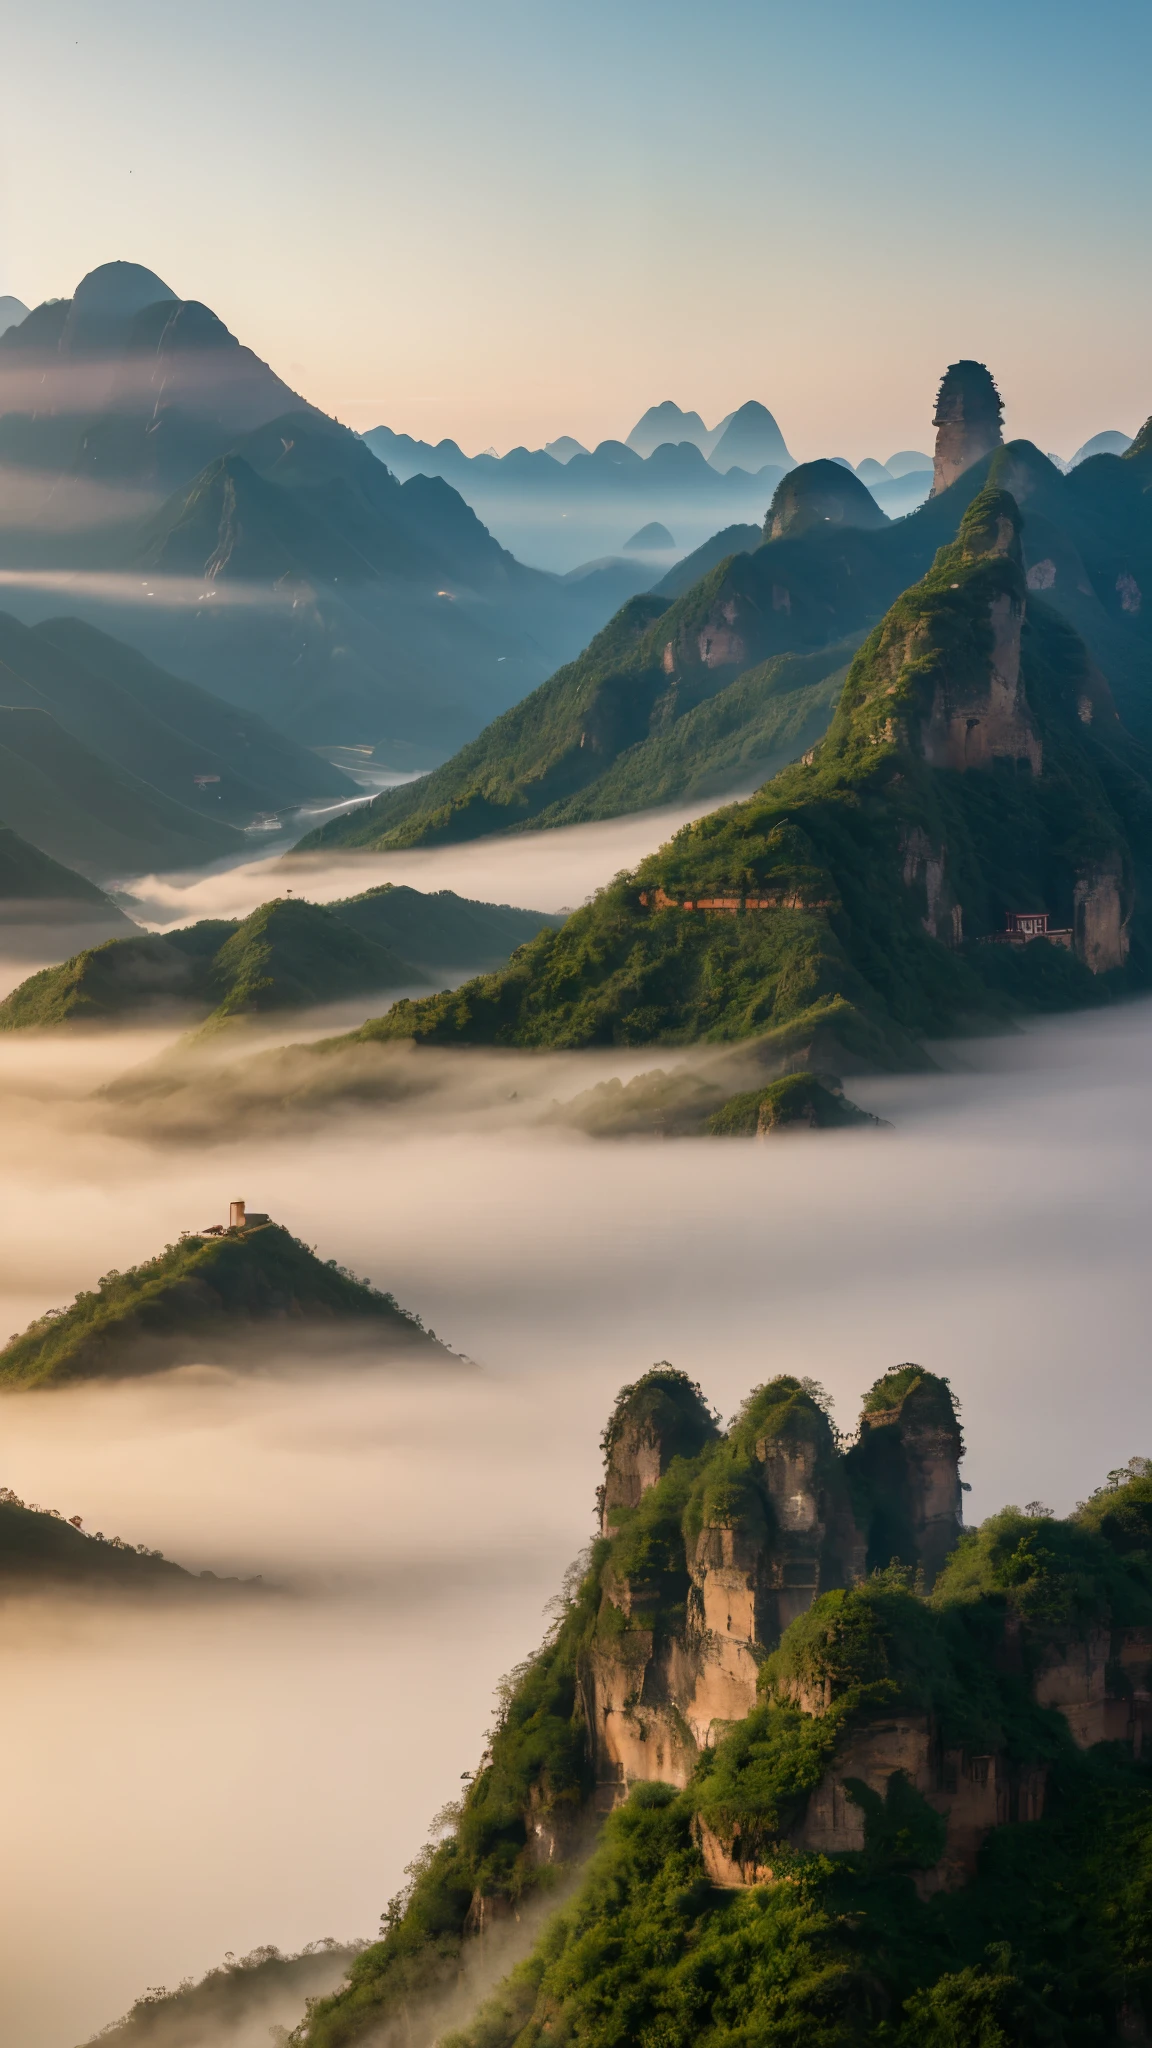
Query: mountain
[821, 494]
[832, 569]
[849, 1773]
[244, 1286]
[906, 460]
[38, 891]
[189, 745]
[38, 1548]
[1111, 442]
[88, 814]
[974, 768]
[666, 422]
[12, 311]
[126, 384]
[561, 513]
[651, 539]
[205, 513]
[751, 441]
[245, 1999]
[287, 954]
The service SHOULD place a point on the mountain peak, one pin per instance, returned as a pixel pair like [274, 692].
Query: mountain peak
[967, 418]
[820, 494]
[751, 440]
[107, 300]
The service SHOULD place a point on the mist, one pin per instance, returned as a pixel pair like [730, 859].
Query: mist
[210, 1775]
[552, 870]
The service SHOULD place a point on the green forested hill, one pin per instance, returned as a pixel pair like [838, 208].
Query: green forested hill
[30, 880]
[974, 766]
[162, 728]
[204, 1291]
[39, 1548]
[915, 1811]
[287, 954]
[582, 744]
[84, 811]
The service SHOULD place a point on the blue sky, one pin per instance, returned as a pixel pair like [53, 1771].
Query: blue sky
[508, 221]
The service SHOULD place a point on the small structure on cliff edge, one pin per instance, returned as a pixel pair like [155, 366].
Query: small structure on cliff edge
[967, 421]
[1022, 926]
[240, 1217]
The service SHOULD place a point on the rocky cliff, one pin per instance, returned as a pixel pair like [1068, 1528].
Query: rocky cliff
[967, 421]
[974, 769]
[834, 1745]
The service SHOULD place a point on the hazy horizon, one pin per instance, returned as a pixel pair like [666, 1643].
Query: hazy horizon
[455, 223]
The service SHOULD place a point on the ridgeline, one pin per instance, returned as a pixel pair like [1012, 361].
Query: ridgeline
[975, 768]
[228, 1290]
[287, 954]
[725, 672]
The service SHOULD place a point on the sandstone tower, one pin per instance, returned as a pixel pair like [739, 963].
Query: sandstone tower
[967, 421]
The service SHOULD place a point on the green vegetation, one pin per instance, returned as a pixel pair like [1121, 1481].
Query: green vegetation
[201, 1291]
[843, 965]
[89, 814]
[603, 736]
[257, 1996]
[287, 954]
[186, 743]
[795, 1100]
[28, 876]
[38, 1547]
[1048, 1942]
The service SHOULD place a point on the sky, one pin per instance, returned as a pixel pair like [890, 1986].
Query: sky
[504, 221]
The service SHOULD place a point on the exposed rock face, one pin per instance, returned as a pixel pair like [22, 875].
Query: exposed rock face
[663, 1416]
[783, 1516]
[972, 1793]
[967, 421]
[908, 1459]
[1100, 920]
[979, 712]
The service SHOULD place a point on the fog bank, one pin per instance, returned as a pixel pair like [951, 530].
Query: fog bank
[191, 1782]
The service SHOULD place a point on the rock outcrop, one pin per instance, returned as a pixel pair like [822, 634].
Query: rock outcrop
[779, 1516]
[663, 1416]
[967, 421]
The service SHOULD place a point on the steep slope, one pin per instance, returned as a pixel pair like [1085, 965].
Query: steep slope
[140, 440]
[831, 1784]
[831, 570]
[36, 889]
[234, 2005]
[84, 811]
[974, 768]
[39, 1549]
[166, 730]
[286, 954]
[127, 382]
[247, 1286]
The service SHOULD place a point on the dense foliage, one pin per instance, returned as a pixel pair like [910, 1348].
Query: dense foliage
[652, 713]
[843, 966]
[286, 954]
[189, 1292]
[1050, 1942]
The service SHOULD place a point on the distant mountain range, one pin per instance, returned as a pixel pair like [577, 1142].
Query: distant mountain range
[727, 667]
[195, 505]
[563, 504]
